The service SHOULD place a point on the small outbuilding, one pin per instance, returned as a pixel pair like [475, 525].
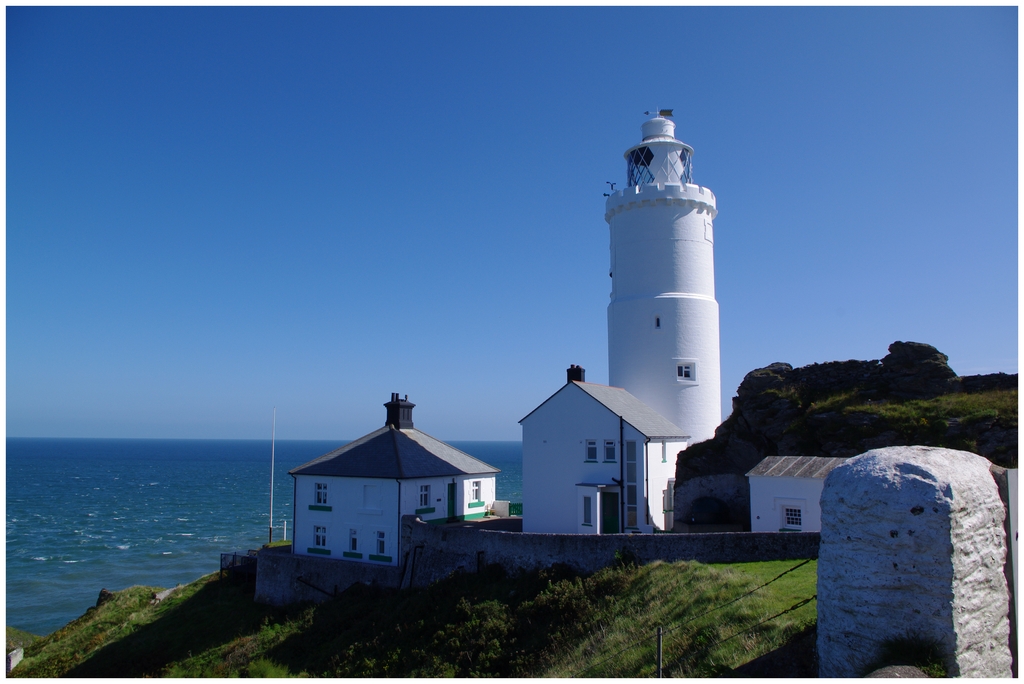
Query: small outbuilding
[597, 460]
[349, 502]
[785, 492]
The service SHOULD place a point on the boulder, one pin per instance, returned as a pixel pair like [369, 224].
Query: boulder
[913, 545]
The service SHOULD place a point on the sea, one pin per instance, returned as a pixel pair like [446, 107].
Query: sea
[91, 514]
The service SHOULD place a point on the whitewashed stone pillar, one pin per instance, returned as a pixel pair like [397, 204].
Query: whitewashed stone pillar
[912, 544]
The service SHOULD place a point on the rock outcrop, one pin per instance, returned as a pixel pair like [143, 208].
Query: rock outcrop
[779, 411]
[844, 408]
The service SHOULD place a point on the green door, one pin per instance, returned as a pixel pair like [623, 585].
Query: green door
[609, 512]
[451, 499]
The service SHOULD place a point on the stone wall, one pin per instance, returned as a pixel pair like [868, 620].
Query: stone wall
[913, 545]
[432, 552]
[283, 578]
[438, 551]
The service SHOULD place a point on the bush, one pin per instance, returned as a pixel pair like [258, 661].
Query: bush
[266, 669]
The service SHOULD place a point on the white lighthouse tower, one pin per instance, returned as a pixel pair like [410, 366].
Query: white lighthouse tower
[663, 316]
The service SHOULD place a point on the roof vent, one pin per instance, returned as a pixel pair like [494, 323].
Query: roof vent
[574, 373]
[399, 412]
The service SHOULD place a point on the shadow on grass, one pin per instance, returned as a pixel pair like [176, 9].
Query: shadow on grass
[217, 613]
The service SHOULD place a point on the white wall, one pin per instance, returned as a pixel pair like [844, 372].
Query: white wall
[469, 508]
[554, 461]
[438, 498]
[554, 458]
[768, 496]
[595, 510]
[346, 499]
[659, 473]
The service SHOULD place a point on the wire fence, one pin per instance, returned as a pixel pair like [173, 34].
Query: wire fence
[693, 655]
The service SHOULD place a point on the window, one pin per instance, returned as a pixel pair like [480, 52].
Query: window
[793, 518]
[638, 170]
[592, 450]
[320, 536]
[609, 450]
[586, 511]
[353, 540]
[370, 499]
[477, 491]
[321, 493]
[424, 495]
[631, 505]
[380, 543]
[686, 371]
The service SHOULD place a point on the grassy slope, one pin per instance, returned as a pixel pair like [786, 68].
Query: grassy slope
[548, 623]
[18, 638]
[920, 421]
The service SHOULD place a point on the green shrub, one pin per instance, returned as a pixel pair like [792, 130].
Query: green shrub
[266, 669]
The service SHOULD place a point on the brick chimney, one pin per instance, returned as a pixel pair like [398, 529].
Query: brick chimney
[575, 372]
[399, 412]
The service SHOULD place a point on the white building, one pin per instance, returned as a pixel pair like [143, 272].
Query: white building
[349, 503]
[597, 460]
[663, 317]
[785, 493]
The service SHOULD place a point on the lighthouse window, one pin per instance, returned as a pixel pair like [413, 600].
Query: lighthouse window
[686, 371]
[638, 163]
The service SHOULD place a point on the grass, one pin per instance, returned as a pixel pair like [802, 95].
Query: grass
[921, 653]
[17, 638]
[967, 408]
[548, 623]
[847, 418]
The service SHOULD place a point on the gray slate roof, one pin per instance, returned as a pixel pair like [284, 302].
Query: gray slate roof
[796, 466]
[646, 420]
[393, 453]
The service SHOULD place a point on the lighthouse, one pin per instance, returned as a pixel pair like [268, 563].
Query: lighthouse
[663, 316]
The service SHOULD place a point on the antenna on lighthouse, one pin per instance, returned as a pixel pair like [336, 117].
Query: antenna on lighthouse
[661, 112]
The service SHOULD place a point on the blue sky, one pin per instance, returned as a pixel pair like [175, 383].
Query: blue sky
[215, 211]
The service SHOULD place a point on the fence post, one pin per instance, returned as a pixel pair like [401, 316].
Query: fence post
[659, 651]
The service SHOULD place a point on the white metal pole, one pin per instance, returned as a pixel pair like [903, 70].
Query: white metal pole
[273, 434]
